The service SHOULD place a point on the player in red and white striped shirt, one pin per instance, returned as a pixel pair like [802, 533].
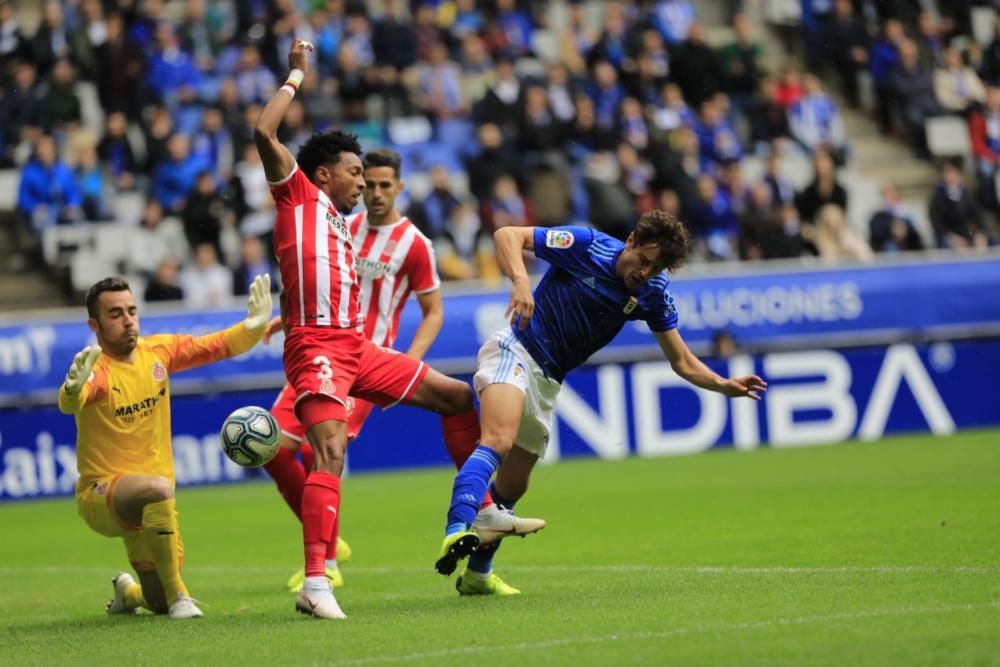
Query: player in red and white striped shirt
[327, 357]
[394, 259]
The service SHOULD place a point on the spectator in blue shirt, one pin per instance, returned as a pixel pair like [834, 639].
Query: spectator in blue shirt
[175, 178]
[433, 213]
[255, 82]
[883, 59]
[673, 18]
[213, 144]
[515, 26]
[48, 193]
[717, 138]
[816, 123]
[171, 67]
[613, 45]
[606, 93]
[90, 178]
[714, 221]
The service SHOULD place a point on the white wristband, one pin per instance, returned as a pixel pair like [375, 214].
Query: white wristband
[296, 77]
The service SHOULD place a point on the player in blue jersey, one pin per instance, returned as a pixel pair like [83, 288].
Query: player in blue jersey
[594, 285]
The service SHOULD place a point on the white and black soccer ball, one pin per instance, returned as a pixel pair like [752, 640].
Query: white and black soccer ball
[250, 436]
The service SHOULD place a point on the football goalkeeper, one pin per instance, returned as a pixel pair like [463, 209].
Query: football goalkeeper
[119, 393]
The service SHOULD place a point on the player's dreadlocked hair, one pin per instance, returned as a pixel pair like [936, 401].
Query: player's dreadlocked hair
[326, 148]
[662, 229]
[384, 157]
[112, 284]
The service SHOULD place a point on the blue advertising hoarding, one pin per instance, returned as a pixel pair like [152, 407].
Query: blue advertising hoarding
[762, 309]
[608, 410]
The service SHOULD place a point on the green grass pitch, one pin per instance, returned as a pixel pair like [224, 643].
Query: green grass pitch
[862, 554]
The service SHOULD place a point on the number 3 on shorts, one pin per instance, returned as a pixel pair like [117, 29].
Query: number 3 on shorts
[324, 372]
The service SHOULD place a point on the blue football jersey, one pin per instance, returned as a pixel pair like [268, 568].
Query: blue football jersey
[581, 304]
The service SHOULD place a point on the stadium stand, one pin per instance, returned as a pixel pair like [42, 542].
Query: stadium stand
[593, 102]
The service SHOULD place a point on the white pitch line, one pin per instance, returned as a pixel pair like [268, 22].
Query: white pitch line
[600, 569]
[665, 634]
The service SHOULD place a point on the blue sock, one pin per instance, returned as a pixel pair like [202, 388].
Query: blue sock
[481, 560]
[470, 488]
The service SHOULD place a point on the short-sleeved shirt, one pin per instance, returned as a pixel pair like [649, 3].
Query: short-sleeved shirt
[581, 303]
[315, 255]
[392, 261]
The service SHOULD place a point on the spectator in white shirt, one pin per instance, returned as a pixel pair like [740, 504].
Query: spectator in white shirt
[204, 281]
[156, 239]
[957, 87]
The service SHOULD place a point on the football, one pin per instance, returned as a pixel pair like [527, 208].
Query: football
[250, 436]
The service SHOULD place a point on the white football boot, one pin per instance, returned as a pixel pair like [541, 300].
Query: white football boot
[493, 523]
[185, 607]
[318, 602]
[117, 604]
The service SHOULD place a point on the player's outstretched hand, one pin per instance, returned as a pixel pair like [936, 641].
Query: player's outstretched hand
[79, 370]
[298, 57]
[273, 327]
[750, 386]
[521, 307]
[259, 306]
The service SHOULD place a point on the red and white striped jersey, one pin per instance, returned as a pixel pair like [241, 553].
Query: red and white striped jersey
[392, 260]
[312, 242]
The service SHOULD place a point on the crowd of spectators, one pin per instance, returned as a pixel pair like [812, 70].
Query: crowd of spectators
[923, 60]
[506, 112]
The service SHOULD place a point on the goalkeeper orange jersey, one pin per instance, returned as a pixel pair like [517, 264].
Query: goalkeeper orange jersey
[123, 410]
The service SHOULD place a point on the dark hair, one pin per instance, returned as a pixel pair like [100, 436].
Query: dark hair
[383, 157]
[325, 148]
[664, 230]
[110, 284]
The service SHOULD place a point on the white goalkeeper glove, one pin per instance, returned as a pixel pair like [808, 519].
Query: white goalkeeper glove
[259, 306]
[79, 370]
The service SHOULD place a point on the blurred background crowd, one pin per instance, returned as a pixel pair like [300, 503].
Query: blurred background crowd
[126, 133]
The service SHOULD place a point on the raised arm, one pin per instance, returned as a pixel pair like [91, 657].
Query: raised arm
[190, 351]
[278, 161]
[510, 243]
[692, 369]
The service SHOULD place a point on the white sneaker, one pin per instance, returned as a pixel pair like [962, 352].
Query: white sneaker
[319, 603]
[117, 604]
[493, 523]
[185, 607]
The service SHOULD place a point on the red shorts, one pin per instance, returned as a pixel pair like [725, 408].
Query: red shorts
[284, 413]
[339, 363]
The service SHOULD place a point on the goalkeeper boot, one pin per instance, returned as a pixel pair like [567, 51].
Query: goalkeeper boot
[455, 547]
[471, 583]
[118, 604]
[185, 607]
[493, 523]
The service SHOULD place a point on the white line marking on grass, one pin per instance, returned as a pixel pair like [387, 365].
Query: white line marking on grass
[603, 569]
[667, 634]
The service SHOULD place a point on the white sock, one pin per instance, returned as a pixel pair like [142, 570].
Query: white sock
[316, 584]
[331, 563]
[482, 576]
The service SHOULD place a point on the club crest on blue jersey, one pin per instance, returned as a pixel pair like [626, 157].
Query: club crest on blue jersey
[631, 305]
[559, 239]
